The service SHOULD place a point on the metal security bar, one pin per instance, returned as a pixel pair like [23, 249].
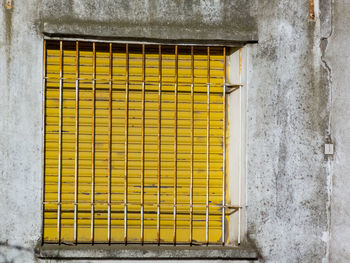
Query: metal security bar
[126, 121]
[143, 145]
[159, 138]
[134, 144]
[93, 126]
[76, 160]
[43, 139]
[175, 139]
[192, 135]
[110, 140]
[208, 147]
[60, 99]
[224, 153]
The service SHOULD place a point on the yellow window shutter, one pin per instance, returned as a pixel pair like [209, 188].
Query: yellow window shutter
[134, 143]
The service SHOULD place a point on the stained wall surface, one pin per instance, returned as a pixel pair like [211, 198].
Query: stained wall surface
[337, 55]
[291, 72]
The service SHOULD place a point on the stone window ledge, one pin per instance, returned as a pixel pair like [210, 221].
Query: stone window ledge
[49, 251]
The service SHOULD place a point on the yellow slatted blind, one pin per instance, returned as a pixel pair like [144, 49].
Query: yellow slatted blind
[134, 143]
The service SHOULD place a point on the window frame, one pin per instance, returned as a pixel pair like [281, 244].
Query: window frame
[235, 240]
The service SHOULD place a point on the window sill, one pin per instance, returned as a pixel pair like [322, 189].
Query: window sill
[144, 252]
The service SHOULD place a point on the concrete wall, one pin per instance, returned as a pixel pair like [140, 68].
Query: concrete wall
[287, 119]
[20, 131]
[152, 19]
[337, 55]
[290, 73]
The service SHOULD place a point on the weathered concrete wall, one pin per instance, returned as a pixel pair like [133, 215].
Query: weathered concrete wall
[287, 174]
[287, 119]
[152, 19]
[337, 55]
[20, 131]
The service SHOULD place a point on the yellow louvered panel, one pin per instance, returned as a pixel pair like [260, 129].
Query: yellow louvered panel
[59, 223]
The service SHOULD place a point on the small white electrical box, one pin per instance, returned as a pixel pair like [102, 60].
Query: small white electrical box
[329, 149]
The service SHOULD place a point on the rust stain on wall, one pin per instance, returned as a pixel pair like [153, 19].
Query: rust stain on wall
[311, 9]
[8, 4]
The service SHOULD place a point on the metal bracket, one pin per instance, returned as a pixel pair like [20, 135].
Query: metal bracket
[329, 149]
[232, 209]
[328, 146]
[232, 87]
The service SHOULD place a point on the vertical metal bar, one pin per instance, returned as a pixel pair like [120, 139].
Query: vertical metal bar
[60, 146]
[110, 143]
[143, 144]
[44, 141]
[224, 152]
[192, 140]
[126, 145]
[76, 160]
[208, 143]
[240, 149]
[93, 143]
[175, 144]
[159, 138]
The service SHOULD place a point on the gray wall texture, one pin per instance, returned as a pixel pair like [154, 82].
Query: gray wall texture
[297, 209]
[337, 55]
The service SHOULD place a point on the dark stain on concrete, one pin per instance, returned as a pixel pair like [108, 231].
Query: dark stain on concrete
[8, 35]
[225, 20]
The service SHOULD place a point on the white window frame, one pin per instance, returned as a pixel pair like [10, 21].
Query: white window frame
[236, 97]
